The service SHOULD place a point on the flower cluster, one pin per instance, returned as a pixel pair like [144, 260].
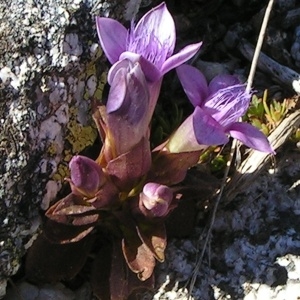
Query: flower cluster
[130, 184]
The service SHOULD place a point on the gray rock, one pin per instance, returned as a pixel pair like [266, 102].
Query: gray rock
[254, 249]
[50, 68]
[46, 292]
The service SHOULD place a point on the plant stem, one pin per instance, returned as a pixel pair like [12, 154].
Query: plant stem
[259, 45]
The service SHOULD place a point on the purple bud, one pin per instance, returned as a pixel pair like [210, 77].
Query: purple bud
[156, 199]
[86, 176]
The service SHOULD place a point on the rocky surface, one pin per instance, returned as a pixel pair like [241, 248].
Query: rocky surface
[254, 251]
[50, 68]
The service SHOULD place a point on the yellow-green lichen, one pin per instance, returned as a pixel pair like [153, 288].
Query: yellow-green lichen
[99, 89]
[52, 149]
[79, 136]
[62, 172]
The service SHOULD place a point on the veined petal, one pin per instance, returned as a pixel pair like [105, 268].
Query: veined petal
[112, 36]
[160, 24]
[250, 136]
[138, 93]
[181, 57]
[229, 104]
[151, 72]
[207, 130]
[222, 81]
[193, 83]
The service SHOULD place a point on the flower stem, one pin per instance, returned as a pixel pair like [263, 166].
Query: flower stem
[259, 45]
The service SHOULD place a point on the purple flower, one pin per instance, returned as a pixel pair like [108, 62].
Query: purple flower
[155, 200]
[127, 108]
[218, 107]
[151, 42]
[86, 176]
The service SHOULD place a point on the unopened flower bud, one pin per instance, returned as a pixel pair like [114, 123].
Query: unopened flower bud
[86, 176]
[156, 198]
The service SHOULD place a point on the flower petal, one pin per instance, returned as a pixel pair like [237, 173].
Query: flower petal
[207, 130]
[127, 107]
[250, 136]
[229, 104]
[156, 198]
[117, 91]
[222, 81]
[197, 132]
[193, 83]
[152, 74]
[160, 24]
[112, 36]
[181, 57]
[121, 64]
[183, 139]
[86, 176]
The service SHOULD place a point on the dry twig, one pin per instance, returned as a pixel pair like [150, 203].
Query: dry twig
[282, 74]
[256, 160]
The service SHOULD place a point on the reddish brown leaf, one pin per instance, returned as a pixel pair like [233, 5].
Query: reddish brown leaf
[101, 272]
[153, 235]
[49, 262]
[139, 257]
[127, 168]
[64, 233]
[130, 282]
[112, 279]
[73, 210]
[119, 284]
[171, 168]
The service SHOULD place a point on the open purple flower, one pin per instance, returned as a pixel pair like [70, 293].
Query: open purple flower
[151, 42]
[218, 107]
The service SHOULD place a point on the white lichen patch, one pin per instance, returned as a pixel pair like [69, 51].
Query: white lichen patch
[52, 188]
[7, 75]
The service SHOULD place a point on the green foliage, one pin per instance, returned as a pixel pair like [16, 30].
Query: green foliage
[214, 157]
[218, 163]
[266, 114]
